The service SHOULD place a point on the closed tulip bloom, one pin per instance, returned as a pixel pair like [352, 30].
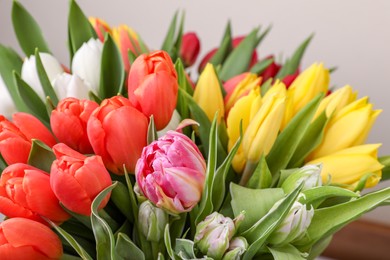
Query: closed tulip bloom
[69, 123]
[127, 40]
[67, 85]
[25, 192]
[171, 173]
[16, 137]
[153, 87]
[208, 94]
[86, 63]
[100, 27]
[77, 179]
[349, 165]
[346, 128]
[7, 106]
[272, 70]
[30, 74]
[22, 238]
[117, 132]
[190, 48]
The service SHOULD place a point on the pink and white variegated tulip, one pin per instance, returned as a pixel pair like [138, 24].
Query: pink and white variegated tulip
[171, 173]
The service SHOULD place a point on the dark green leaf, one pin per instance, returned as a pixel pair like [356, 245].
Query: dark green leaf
[265, 87]
[41, 156]
[185, 248]
[225, 47]
[44, 79]
[152, 131]
[169, 39]
[27, 30]
[385, 160]
[168, 243]
[120, 197]
[260, 67]
[126, 249]
[286, 252]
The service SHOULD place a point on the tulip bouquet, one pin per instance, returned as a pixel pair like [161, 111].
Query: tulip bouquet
[123, 156]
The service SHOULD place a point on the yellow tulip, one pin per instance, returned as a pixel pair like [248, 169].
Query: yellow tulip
[347, 127]
[208, 94]
[349, 165]
[305, 87]
[241, 112]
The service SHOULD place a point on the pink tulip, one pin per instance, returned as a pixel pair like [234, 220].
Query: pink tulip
[69, 123]
[25, 192]
[190, 48]
[25, 239]
[171, 173]
[117, 132]
[15, 138]
[77, 179]
[153, 87]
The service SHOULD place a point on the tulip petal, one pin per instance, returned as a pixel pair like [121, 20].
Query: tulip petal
[15, 150]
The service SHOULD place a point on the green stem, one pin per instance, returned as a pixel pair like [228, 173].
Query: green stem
[248, 171]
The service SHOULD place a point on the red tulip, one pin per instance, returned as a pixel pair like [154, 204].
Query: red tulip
[153, 86]
[271, 70]
[117, 132]
[15, 138]
[235, 42]
[289, 79]
[76, 179]
[25, 239]
[190, 48]
[69, 123]
[25, 192]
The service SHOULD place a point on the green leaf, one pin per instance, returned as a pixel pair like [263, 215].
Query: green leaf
[44, 79]
[168, 243]
[105, 242]
[239, 59]
[177, 225]
[266, 86]
[287, 252]
[258, 233]
[152, 131]
[32, 101]
[288, 140]
[225, 47]
[327, 221]
[10, 62]
[170, 36]
[133, 199]
[292, 64]
[3, 164]
[261, 177]
[310, 140]
[185, 248]
[173, 38]
[120, 197]
[112, 68]
[385, 160]
[255, 202]
[318, 194]
[79, 28]
[181, 104]
[126, 249]
[27, 30]
[142, 45]
[175, 53]
[76, 246]
[41, 156]
[319, 247]
[261, 66]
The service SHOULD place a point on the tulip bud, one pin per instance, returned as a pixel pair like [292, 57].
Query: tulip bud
[100, 27]
[30, 73]
[7, 106]
[117, 132]
[349, 165]
[67, 85]
[77, 179]
[22, 238]
[309, 174]
[86, 63]
[208, 94]
[171, 173]
[213, 235]
[152, 221]
[190, 48]
[237, 247]
[153, 87]
[271, 71]
[294, 225]
[69, 123]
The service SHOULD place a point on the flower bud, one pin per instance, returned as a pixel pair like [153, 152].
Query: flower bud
[294, 225]
[30, 74]
[190, 48]
[213, 235]
[67, 85]
[152, 221]
[309, 174]
[237, 247]
[86, 63]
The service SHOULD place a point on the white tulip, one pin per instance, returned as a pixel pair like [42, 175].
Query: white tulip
[7, 106]
[30, 74]
[67, 85]
[86, 62]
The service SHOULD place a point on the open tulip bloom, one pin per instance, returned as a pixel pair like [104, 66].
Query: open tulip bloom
[122, 156]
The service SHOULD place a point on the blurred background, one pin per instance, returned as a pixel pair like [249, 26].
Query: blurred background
[352, 35]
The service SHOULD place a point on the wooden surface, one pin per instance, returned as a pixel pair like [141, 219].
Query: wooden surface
[361, 240]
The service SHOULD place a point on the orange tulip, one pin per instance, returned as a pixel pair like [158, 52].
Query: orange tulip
[77, 179]
[69, 123]
[117, 132]
[15, 138]
[153, 87]
[29, 240]
[25, 192]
